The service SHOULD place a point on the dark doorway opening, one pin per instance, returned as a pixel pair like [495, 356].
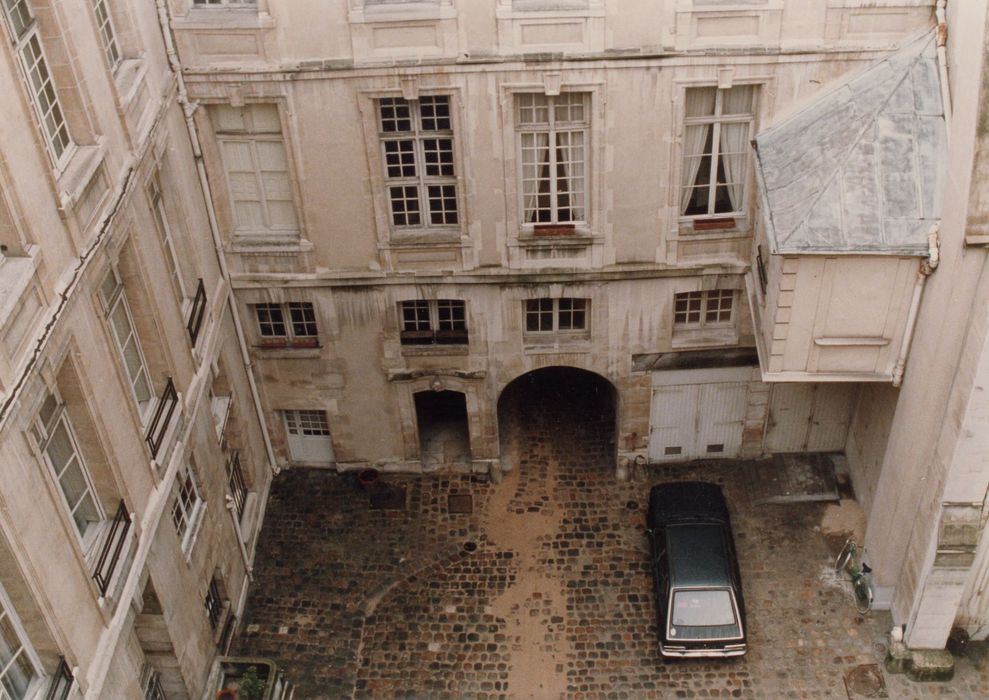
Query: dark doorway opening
[444, 437]
[571, 412]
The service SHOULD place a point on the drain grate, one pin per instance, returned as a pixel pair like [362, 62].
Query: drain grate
[865, 681]
[460, 503]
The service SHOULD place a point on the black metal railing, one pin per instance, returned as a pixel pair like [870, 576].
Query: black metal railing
[197, 313]
[162, 417]
[113, 545]
[214, 603]
[235, 479]
[61, 682]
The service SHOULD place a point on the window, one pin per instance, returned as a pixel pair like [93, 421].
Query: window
[417, 143]
[237, 485]
[165, 236]
[552, 142]
[19, 665]
[122, 329]
[717, 130]
[214, 603]
[107, 35]
[291, 324]
[308, 436]
[440, 321]
[27, 44]
[187, 508]
[151, 684]
[699, 309]
[552, 315]
[61, 682]
[56, 439]
[257, 168]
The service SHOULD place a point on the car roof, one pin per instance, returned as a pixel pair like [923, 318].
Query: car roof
[686, 501]
[698, 556]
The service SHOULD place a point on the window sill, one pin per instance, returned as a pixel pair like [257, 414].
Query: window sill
[543, 10]
[715, 226]
[128, 78]
[556, 343]
[288, 352]
[268, 244]
[580, 238]
[424, 11]
[244, 17]
[427, 237]
[78, 172]
[434, 350]
[704, 337]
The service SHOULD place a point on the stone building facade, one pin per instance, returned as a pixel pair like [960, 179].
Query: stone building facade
[244, 236]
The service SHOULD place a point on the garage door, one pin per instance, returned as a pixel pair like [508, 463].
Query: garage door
[809, 417]
[694, 420]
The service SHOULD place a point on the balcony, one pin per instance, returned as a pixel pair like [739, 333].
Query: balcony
[197, 313]
[162, 419]
[113, 547]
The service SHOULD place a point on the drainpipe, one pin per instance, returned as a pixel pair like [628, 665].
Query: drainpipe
[942, 62]
[188, 109]
[925, 270]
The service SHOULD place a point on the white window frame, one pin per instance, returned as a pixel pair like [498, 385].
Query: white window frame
[709, 309]
[26, 40]
[417, 136]
[413, 320]
[108, 34]
[187, 508]
[113, 301]
[165, 236]
[553, 129]
[556, 314]
[8, 613]
[252, 136]
[716, 121]
[291, 336]
[42, 431]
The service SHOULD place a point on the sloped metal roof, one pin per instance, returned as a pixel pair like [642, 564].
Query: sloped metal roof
[860, 170]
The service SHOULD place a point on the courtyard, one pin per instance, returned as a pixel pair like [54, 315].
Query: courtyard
[452, 586]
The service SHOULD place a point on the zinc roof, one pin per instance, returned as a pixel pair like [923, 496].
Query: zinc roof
[861, 169]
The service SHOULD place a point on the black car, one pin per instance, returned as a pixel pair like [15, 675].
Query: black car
[697, 583]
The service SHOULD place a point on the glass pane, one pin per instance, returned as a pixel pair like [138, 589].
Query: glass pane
[59, 449]
[702, 608]
[700, 102]
[10, 644]
[737, 100]
[86, 513]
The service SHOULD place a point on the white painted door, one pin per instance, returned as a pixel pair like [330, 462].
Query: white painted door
[809, 417]
[691, 421]
[308, 437]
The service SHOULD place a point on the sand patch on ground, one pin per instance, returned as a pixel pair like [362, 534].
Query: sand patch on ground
[539, 646]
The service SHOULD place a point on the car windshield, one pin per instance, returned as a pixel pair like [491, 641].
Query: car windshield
[703, 608]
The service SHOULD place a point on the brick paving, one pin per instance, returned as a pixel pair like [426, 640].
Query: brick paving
[555, 598]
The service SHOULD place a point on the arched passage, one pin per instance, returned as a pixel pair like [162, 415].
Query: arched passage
[572, 410]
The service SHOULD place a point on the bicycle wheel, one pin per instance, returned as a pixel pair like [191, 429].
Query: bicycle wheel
[863, 594]
[844, 556]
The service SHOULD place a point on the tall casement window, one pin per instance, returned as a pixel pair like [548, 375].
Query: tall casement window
[439, 321]
[553, 143]
[257, 168]
[187, 507]
[125, 338]
[19, 665]
[107, 36]
[24, 34]
[717, 130]
[56, 439]
[165, 236]
[417, 144]
[703, 309]
[564, 315]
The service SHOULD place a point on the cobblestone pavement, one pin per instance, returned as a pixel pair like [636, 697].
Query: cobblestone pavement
[543, 589]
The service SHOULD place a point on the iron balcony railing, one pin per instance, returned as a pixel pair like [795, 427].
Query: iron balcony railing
[238, 487]
[113, 546]
[162, 417]
[61, 682]
[197, 313]
[151, 685]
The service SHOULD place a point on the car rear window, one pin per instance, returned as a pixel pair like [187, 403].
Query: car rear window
[703, 608]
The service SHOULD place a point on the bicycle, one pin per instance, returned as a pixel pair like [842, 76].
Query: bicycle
[850, 560]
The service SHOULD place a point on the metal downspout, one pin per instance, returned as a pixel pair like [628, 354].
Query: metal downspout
[925, 270]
